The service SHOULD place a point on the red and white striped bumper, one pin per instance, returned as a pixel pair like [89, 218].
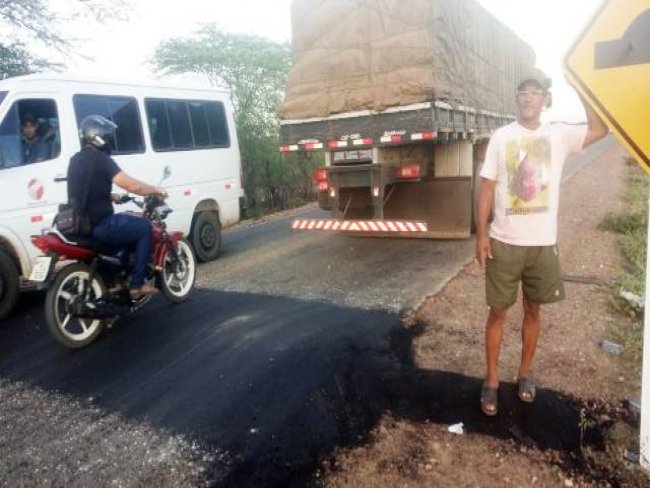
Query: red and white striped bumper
[359, 225]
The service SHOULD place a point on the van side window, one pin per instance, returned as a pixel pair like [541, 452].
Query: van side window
[218, 124]
[161, 136]
[121, 110]
[29, 133]
[199, 120]
[181, 125]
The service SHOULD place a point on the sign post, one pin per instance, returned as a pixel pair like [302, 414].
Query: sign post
[644, 441]
[609, 66]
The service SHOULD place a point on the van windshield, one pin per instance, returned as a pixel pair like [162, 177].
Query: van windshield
[3, 94]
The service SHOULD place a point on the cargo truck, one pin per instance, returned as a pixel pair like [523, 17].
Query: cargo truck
[401, 96]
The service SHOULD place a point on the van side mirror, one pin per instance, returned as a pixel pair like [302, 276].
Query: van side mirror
[167, 172]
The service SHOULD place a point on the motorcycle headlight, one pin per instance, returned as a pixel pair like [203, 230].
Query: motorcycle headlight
[163, 211]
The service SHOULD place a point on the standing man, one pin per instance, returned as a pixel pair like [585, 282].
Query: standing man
[521, 177]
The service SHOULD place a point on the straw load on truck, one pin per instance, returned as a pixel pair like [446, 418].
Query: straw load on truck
[394, 83]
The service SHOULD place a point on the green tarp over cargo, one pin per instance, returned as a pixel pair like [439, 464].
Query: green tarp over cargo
[352, 55]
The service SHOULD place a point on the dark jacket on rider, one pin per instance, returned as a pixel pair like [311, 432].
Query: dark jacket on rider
[102, 170]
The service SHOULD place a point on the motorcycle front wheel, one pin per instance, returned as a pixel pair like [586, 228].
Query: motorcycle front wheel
[176, 279]
[70, 286]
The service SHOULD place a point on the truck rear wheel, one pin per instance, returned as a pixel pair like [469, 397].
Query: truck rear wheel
[206, 236]
[9, 286]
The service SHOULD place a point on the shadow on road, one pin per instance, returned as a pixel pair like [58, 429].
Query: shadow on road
[279, 383]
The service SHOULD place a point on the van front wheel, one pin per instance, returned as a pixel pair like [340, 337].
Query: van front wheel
[206, 236]
[9, 286]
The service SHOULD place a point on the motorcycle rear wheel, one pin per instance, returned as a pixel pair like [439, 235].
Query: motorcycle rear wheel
[69, 284]
[177, 284]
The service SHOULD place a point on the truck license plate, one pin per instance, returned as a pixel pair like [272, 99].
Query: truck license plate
[40, 269]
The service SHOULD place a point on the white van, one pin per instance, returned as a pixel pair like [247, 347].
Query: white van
[190, 130]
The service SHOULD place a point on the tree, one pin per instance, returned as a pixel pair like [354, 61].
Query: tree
[255, 71]
[30, 22]
[15, 60]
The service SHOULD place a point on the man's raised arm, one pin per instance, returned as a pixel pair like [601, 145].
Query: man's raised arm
[596, 128]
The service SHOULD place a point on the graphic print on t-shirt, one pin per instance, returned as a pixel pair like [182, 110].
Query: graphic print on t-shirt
[528, 161]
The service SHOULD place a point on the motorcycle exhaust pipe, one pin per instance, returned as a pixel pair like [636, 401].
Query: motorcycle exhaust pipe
[99, 311]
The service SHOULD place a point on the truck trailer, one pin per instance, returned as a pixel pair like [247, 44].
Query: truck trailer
[401, 96]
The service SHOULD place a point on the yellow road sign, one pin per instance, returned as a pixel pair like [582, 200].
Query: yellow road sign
[610, 67]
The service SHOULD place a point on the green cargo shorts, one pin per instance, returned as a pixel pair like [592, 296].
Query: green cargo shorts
[537, 267]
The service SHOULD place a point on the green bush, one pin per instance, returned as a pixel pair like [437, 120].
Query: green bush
[632, 225]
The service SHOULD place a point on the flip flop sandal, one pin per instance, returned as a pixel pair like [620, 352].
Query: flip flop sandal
[489, 400]
[526, 390]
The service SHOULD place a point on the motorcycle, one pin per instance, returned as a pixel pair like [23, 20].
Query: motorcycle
[88, 283]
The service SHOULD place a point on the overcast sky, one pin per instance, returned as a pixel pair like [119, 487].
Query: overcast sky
[122, 49]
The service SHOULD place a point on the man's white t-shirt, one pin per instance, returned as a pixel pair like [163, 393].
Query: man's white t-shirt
[527, 166]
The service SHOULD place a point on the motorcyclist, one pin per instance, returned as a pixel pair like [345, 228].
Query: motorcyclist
[115, 230]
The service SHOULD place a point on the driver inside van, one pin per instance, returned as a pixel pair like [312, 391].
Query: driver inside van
[91, 175]
[34, 148]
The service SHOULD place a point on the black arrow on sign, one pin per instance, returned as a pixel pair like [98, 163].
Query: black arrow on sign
[632, 48]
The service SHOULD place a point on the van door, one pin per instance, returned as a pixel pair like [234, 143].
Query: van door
[32, 169]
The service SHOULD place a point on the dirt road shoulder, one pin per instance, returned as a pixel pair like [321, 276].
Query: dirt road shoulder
[571, 368]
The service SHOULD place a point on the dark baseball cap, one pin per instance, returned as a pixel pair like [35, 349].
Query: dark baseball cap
[539, 82]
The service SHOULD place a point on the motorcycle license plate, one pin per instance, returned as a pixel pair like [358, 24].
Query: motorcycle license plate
[41, 269]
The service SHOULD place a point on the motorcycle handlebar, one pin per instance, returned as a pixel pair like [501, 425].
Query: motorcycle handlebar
[126, 198]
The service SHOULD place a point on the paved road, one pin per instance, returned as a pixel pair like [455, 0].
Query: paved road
[291, 348]
[260, 377]
[385, 274]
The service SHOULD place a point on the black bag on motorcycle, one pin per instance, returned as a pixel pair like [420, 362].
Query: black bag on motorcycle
[73, 219]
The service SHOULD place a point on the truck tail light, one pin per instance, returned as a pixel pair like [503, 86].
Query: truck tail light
[408, 172]
[320, 175]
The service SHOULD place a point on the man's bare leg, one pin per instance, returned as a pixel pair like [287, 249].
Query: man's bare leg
[493, 338]
[530, 328]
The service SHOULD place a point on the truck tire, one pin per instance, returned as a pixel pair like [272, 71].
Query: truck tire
[206, 236]
[9, 284]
